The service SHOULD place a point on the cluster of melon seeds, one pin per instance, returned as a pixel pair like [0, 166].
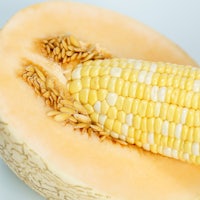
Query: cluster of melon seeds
[64, 108]
[66, 49]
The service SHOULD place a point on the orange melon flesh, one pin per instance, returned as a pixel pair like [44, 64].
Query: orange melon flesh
[57, 161]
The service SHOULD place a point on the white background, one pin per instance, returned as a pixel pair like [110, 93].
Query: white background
[179, 20]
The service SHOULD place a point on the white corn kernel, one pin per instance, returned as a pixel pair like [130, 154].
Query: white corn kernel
[196, 86]
[111, 98]
[125, 129]
[115, 72]
[151, 138]
[97, 107]
[195, 149]
[129, 119]
[178, 130]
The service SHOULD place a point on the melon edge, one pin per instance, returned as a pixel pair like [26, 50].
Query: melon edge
[32, 169]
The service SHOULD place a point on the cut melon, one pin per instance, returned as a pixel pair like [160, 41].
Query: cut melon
[57, 161]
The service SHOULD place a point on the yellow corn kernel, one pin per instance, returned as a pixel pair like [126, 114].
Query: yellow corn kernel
[89, 108]
[164, 110]
[171, 129]
[120, 102]
[170, 142]
[150, 124]
[101, 94]
[140, 91]
[176, 81]
[112, 84]
[174, 96]
[144, 125]
[104, 107]
[190, 134]
[144, 138]
[196, 118]
[142, 108]
[158, 125]
[147, 92]
[121, 116]
[104, 70]
[103, 82]
[117, 126]
[188, 147]
[190, 118]
[83, 97]
[195, 101]
[181, 98]
[92, 98]
[127, 105]
[119, 85]
[133, 75]
[170, 112]
[125, 89]
[184, 132]
[162, 80]
[135, 106]
[154, 148]
[189, 84]
[137, 122]
[137, 135]
[188, 98]
[131, 132]
[94, 71]
[196, 135]
[85, 71]
[94, 117]
[170, 80]
[109, 124]
[177, 115]
[155, 78]
[94, 83]
[85, 82]
[150, 109]
[132, 89]
[125, 74]
[75, 86]
[112, 113]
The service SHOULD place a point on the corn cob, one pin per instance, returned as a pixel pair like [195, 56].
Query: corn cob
[155, 106]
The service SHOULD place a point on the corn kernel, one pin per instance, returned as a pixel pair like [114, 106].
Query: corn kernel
[121, 116]
[127, 105]
[137, 122]
[155, 78]
[85, 82]
[170, 112]
[120, 102]
[164, 110]
[119, 85]
[181, 98]
[195, 101]
[158, 125]
[188, 147]
[150, 124]
[132, 89]
[109, 124]
[140, 91]
[144, 125]
[117, 126]
[142, 108]
[95, 117]
[101, 94]
[126, 73]
[112, 113]
[103, 82]
[189, 84]
[92, 98]
[162, 80]
[135, 106]
[85, 71]
[133, 75]
[104, 71]
[111, 85]
[150, 108]
[147, 92]
[75, 86]
[125, 89]
[83, 97]
[131, 132]
[171, 129]
[190, 118]
[104, 107]
[94, 71]
[94, 83]
[177, 115]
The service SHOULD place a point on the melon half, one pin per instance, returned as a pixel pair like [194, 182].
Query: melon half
[57, 161]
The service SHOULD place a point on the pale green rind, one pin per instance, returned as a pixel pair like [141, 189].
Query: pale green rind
[29, 167]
